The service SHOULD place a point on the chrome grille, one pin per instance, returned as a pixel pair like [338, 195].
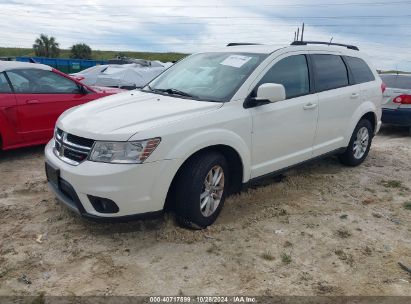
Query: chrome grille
[70, 148]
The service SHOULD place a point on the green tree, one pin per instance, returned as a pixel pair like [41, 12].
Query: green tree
[45, 46]
[80, 51]
[120, 55]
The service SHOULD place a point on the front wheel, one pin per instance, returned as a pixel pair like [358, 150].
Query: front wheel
[201, 189]
[359, 145]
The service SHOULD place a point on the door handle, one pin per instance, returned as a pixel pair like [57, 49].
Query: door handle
[310, 106]
[32, 101]
[355, 95]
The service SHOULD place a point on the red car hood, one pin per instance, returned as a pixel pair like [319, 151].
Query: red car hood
[107, 90]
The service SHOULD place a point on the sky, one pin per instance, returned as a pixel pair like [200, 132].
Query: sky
[380, 28]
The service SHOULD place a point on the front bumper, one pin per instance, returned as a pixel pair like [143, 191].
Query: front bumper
[137, 189]
[399, 116]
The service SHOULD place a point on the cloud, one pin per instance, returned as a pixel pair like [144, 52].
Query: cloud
[188, 26]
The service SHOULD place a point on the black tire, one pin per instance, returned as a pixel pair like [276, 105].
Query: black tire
[348, 157]
[189, 186]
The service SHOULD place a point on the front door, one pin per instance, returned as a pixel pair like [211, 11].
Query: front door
[42, 96]
[284, 131]
[9, 122]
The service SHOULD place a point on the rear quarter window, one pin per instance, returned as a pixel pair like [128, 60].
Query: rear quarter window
[330, 72]
[360, 70]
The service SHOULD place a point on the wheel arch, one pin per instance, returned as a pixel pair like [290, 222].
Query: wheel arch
[367, 110]
[372, 117]
[235, 165]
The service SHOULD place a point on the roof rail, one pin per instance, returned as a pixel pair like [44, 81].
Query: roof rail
[242, 43]
[351, 47]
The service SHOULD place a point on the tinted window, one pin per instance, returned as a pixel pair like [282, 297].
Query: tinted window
[360, 70]
[397, 81]
[39, 81]
[292, 73]
[331, 72]
[4, 85]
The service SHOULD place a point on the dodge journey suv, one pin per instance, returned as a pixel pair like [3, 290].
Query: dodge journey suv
[210, 124]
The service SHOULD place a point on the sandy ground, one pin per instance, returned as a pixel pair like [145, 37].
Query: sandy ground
[324, 229]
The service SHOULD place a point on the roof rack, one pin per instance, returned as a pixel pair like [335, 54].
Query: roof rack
[242, 43]
[351, 47]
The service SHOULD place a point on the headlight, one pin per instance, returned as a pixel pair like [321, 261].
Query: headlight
[130, 152]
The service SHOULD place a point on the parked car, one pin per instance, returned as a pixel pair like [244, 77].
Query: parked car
[89, 76]
[396, 108]
[208, 125]
[32, 97]
[125, 76]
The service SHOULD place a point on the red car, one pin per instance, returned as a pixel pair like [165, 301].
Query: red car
[32, 97]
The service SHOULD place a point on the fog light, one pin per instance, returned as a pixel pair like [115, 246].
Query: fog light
[103, 205]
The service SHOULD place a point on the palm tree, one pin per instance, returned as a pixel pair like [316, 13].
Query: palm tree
[46, 47]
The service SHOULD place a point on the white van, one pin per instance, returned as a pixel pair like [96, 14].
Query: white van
[210, 124]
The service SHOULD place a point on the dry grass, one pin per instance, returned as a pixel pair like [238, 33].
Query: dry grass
[268, 256]
[286, 258]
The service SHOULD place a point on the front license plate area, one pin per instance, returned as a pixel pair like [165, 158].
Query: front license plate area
[53, 174]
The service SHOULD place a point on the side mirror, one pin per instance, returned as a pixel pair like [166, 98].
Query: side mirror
[266, 93]
[271, 92]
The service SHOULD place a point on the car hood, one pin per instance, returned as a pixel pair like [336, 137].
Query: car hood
[118, 117]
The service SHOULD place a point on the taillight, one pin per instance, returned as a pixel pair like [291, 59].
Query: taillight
[402, 99]
[383, 87]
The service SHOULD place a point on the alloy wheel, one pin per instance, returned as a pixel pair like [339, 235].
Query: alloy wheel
[213, 189]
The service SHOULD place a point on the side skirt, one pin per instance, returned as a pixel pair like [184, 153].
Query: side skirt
[279, 172]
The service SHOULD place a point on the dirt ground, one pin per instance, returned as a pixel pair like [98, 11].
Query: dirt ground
[323, 229]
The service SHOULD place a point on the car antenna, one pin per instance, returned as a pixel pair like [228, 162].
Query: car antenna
[298, 34]
[302, 32]
[331, 40]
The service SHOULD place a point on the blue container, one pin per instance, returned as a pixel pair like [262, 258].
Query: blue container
[65, 65]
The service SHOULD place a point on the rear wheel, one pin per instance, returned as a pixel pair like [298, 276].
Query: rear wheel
[359, 145]
[201, 189]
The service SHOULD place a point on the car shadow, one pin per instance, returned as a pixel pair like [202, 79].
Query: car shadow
[21, 153]
[394, 131]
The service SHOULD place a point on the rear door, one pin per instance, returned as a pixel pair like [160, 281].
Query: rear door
[41, 97]
[338, 100]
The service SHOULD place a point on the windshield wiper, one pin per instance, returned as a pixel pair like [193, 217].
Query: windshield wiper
[174, 92]
[178, 92]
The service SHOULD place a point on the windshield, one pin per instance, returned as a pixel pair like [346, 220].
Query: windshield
[207, 76]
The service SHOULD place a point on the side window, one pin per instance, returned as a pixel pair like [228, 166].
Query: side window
[360, 70]
[4, 85]
[292, 73]
[331, 72]
[20, 84]
[35, 81]
[52, 83]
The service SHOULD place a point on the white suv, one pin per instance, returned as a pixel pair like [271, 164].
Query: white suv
[211, 123]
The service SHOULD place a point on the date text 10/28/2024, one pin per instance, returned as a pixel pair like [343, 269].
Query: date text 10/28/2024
[202, 299]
